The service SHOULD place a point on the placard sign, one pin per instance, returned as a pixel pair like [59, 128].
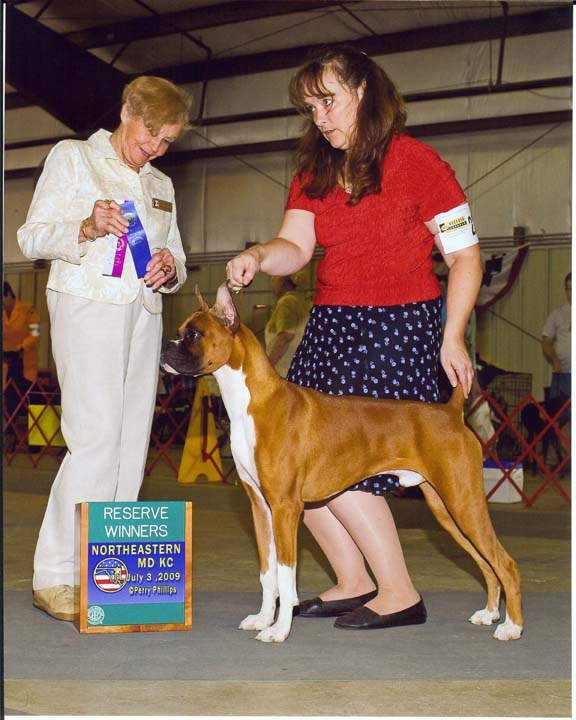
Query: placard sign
[135, 566]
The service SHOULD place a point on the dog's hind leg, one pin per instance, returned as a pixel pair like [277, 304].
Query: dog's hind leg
[468, 511]
[491, 612]
[268, 562]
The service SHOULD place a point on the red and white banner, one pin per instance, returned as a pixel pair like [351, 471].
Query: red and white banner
[500, 272]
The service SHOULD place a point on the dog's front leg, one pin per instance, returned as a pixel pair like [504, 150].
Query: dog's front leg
[268, 563]
[285, 519]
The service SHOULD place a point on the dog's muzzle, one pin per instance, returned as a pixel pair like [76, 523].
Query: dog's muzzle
[173, 358]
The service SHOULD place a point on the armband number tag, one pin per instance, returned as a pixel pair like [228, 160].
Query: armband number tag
[456, 229]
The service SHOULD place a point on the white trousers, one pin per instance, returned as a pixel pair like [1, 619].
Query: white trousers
[107, 357]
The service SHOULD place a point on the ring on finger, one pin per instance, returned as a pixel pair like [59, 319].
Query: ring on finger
[166, 269]
[108, 202]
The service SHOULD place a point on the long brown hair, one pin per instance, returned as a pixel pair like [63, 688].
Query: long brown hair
[381, 114]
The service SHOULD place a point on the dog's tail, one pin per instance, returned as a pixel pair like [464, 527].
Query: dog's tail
[457, 398]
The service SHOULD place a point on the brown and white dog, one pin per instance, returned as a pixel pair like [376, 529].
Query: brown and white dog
[334, 442]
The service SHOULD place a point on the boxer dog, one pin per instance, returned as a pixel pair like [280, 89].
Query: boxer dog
[333, 442]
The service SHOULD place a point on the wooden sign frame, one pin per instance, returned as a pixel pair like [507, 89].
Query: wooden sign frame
[135, 573]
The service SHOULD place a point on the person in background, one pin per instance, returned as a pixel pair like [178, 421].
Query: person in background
[105, 305]
[284, 329]
[21, 336]
[557, 345]
[378, 202]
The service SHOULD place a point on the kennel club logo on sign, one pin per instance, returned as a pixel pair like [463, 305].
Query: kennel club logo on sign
[135, 566]
[110, 575]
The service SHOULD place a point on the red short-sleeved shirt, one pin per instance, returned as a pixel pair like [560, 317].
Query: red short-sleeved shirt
[378, 252]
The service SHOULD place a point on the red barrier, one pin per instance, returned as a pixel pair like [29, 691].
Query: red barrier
[171, 418]
[510, 441]
[21, 425]
[527, 449]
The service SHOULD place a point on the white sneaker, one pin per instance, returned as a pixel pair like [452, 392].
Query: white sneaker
[60, 601]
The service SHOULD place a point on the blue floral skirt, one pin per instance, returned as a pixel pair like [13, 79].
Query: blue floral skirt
[379, 352]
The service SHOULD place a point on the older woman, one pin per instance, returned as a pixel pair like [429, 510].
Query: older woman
[107, 220]
[377, 201]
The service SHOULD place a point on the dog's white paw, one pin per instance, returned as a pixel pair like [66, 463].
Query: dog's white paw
[257, 622]
[275, 633]
[484, 617]
[508, 631]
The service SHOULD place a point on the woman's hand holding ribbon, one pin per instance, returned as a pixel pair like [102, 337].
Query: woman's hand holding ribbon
[106, 218]
[161, 269]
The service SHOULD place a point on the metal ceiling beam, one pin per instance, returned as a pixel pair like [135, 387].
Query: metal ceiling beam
[405, 41]
[190, 20]
[66, 81]
[181, 157]
[454, 127]
[476, 90]
[13, 101]
[564, 81]
[456, 33]
[464, 92]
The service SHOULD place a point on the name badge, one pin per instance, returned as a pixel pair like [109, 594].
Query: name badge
[164, 205]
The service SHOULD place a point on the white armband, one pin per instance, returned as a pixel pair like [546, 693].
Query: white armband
[456, 229]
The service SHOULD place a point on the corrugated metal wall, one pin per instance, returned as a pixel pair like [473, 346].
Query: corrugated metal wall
[509, 333]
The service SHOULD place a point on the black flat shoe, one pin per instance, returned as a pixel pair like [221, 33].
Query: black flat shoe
[332, 608]
[365, 619]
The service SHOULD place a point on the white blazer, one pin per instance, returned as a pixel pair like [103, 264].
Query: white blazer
[75, 175]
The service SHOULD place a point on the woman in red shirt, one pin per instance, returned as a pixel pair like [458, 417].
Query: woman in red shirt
[378, 202]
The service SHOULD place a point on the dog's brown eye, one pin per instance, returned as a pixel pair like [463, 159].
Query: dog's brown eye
[191, 335]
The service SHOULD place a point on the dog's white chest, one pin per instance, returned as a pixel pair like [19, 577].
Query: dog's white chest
[236, 397]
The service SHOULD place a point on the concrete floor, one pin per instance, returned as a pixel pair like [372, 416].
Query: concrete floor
[446, 667]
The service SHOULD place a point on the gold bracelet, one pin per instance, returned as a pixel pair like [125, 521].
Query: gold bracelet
[83, 225]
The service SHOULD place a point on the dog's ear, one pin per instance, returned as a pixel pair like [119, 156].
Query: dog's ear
[203, 304]
[225, 310]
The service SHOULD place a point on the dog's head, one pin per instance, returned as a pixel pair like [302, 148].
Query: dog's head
[205, 339]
